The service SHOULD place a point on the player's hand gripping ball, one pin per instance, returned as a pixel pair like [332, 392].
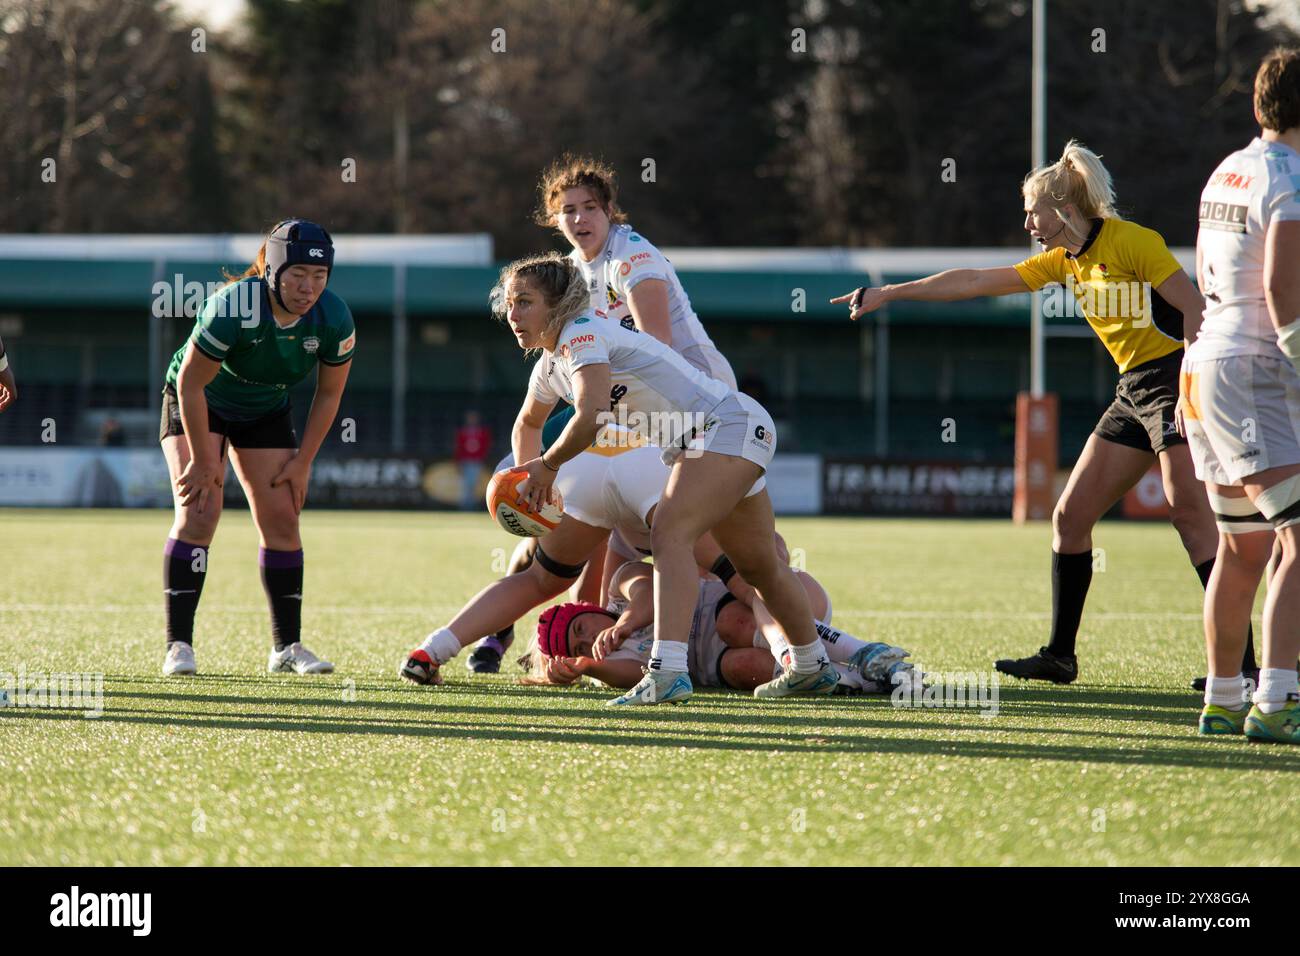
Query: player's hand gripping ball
[504, 504]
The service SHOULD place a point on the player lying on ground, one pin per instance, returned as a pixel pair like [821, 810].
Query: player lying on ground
[732, 644]
[1241, 406]
[227, 388]
[605, 488]
[1142, 306]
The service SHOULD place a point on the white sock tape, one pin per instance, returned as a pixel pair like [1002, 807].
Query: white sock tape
[4, 362]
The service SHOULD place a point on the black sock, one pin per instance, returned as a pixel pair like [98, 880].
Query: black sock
[185, 566]
[1248, 658]
[1071, 576]
[282, 579]
[505, 637]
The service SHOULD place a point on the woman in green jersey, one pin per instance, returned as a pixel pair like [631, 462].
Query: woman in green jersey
[228, 391]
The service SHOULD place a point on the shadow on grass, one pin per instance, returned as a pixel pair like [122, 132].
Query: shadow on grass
[508, 684]
[707, 706]
[1215, 754]
[679, 720]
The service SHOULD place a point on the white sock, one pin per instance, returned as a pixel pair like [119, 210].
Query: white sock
[1275, 683]
[849, 676]
[1227, 692]
[807, 658]
[839, 645]
[441, 645]
[777, 644]
[668, 656]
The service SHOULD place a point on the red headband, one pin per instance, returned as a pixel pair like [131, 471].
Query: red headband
[553, 627]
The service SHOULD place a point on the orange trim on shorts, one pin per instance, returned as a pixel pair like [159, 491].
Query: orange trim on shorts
[1188, 387]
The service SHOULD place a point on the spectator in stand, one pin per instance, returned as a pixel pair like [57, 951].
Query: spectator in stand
[111, 433]
[473, 441]
[8, 390]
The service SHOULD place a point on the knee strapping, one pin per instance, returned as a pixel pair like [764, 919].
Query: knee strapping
[1237, 515]
[1280, 504]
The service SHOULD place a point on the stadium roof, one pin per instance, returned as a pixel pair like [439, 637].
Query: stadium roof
[450, 275]
[452, 250]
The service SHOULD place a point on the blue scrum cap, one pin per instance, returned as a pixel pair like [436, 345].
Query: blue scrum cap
[295, 242]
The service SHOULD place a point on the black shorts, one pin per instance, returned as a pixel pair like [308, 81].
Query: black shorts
[270, 431]
[1142, 415]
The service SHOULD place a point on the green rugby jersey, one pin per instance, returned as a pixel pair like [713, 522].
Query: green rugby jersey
[259, 359]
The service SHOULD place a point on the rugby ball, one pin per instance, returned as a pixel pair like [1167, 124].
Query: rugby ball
[504, 505]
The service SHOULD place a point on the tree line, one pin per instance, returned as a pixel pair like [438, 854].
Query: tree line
[770, 122]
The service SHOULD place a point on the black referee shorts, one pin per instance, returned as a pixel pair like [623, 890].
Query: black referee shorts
[1142, 415]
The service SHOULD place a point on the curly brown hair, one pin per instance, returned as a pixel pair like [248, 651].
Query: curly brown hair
[1277, 90]
[571, 172]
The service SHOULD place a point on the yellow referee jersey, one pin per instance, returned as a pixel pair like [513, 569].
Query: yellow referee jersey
[1113, 278]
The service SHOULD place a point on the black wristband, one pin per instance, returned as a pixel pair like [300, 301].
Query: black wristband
[542, 459]
[723, 568]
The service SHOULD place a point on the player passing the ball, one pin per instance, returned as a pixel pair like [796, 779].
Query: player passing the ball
[1143, 307]
[718, 442]
[630, 282]
[227, 392]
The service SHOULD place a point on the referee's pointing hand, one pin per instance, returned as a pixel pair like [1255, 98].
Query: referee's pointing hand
[861, 301]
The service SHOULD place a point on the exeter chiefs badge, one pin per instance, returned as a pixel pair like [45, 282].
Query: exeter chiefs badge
[310, 344]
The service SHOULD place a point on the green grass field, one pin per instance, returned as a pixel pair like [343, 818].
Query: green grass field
[237, 766]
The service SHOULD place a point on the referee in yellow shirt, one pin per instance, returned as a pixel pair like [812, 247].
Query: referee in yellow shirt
[1143, 307]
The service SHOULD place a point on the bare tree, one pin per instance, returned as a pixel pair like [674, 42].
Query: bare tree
[95, 111]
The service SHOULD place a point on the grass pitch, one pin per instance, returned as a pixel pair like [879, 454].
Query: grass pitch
[237, 766]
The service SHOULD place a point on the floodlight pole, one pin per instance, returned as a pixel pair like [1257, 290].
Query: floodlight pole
[399, 372]
[1037, 413]
[1039, 153]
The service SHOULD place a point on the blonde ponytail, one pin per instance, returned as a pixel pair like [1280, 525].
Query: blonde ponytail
[1079, 179]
